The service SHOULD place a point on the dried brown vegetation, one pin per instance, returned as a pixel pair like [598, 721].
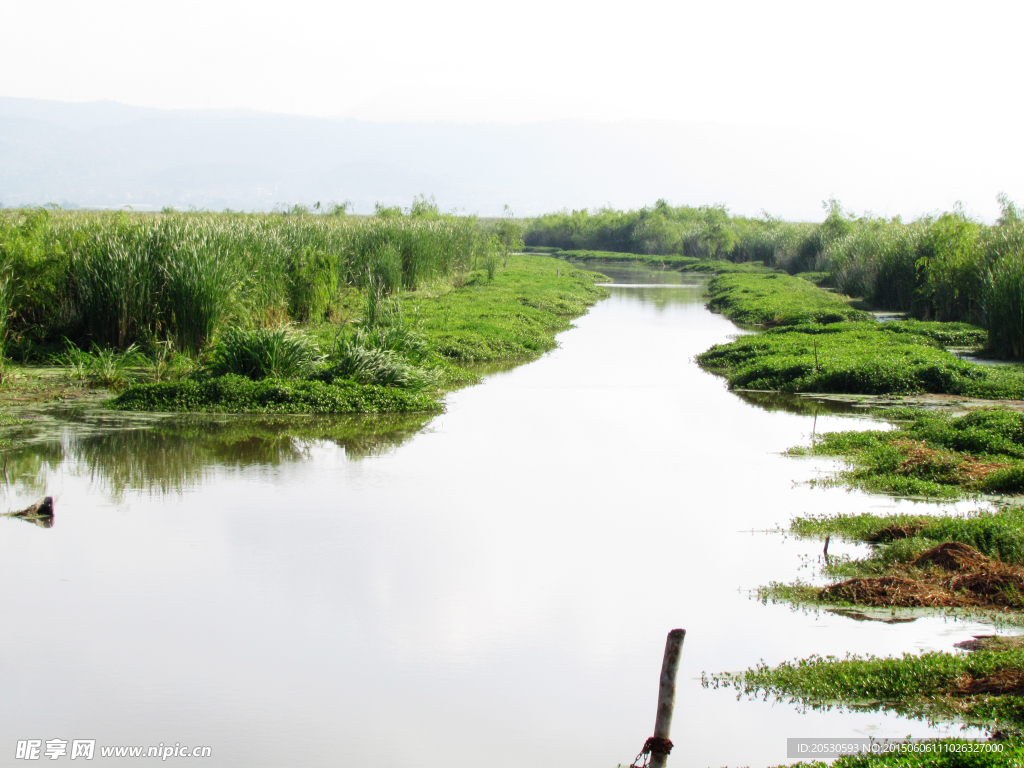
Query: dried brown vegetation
[951, 575]
[921, 460]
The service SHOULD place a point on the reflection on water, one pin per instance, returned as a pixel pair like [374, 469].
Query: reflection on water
[811, 406]
[485, 585]
[122, 452]
[39, 514]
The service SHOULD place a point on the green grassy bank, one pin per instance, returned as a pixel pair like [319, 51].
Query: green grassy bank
[400, 354]
[815, 341]
[948, 267]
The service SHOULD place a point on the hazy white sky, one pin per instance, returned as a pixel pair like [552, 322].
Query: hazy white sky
[937, 80]
[774, 62]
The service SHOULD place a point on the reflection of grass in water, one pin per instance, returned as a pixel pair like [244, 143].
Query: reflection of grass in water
[791, 403]
[27, 469]
[178, 453]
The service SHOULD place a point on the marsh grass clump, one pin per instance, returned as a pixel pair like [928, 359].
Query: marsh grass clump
[816, 342]
[258, 353]
[855, 358]
[949, 575]
[104, 367]
[384, 350]
[997, 534]
[934, 454]
[972, 562]
[370, 365]
[984, 688]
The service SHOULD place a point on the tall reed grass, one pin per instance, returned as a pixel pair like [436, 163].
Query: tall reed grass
[117, 279]
[947, 267]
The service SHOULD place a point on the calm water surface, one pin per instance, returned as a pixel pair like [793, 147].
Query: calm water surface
[492, 589]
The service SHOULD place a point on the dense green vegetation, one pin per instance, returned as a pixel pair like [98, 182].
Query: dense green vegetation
[117, 279]
[933, 454]
[400, 362]
[705, 232]
[947, 267]
[276, 313]
[822, 344]
[778, 300]
[516, 315]
[995, 533]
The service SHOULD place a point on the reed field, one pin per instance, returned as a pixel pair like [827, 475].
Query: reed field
[278, 313]
[945, 267]
[118, 279]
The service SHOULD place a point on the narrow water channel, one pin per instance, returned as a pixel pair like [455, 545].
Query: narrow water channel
[492, 589]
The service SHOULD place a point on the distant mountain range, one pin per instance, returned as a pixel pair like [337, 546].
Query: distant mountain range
[104, 154]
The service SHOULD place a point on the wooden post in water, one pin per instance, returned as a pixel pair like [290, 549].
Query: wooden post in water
[660, 744]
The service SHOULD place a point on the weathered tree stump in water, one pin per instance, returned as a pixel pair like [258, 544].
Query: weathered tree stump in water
[40, 513]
